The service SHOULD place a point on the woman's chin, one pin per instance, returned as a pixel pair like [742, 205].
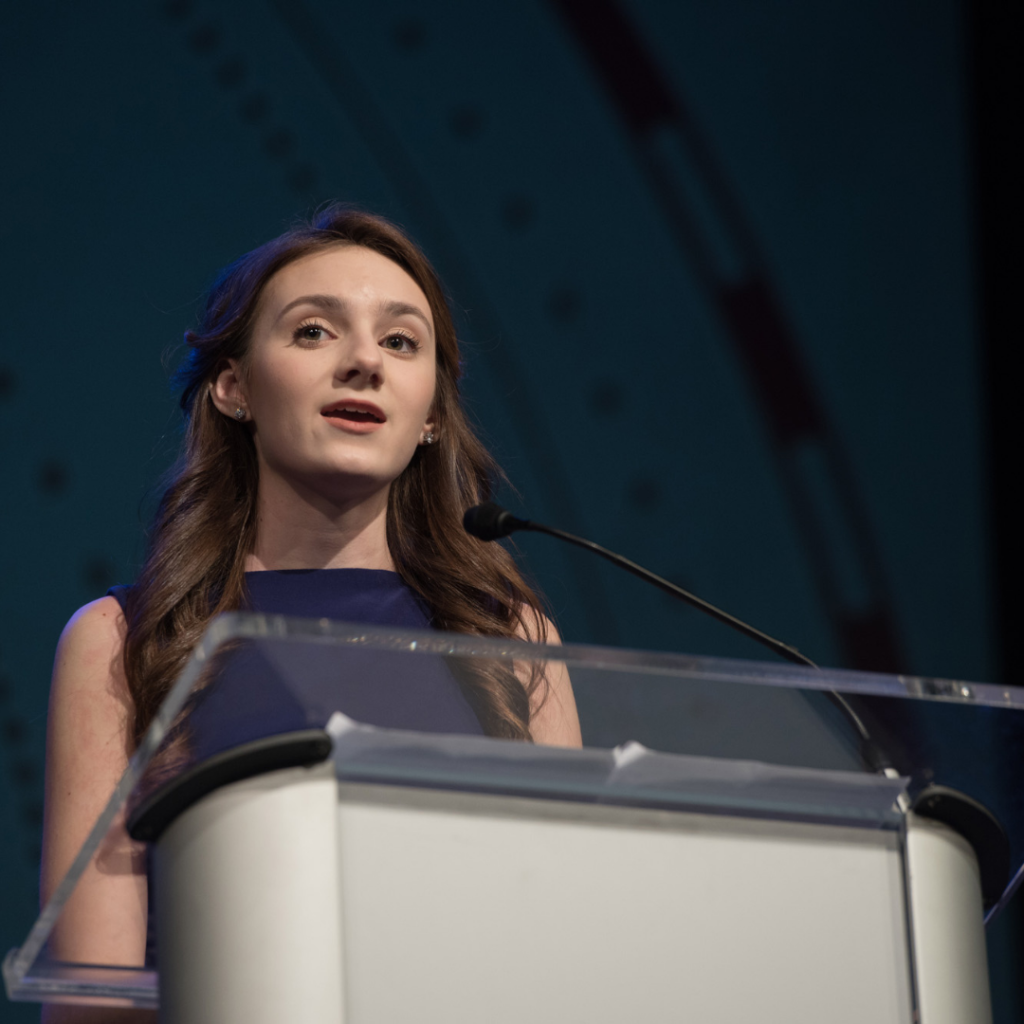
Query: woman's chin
[347, 483]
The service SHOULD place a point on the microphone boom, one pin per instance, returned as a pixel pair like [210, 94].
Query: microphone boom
[492, 522]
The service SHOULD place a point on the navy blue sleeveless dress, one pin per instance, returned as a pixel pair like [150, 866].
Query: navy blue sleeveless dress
[251, 700]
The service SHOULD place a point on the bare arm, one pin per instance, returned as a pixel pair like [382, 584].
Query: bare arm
[87, 747]
[554, 720]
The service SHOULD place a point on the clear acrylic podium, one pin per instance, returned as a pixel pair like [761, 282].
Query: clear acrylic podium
[716, 852]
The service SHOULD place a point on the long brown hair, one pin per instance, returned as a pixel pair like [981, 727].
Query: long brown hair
[205, 525]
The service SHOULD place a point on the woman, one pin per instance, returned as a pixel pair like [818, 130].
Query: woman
[324, 433]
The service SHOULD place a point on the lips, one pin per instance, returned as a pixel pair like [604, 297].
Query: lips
[354, 412]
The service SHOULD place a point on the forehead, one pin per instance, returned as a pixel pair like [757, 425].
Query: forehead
[349, 272]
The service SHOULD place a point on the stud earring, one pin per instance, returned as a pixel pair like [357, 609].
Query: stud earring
[239, 414]
[428, 438]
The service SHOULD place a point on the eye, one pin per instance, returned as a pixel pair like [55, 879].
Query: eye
[309, 333]
[399, 341]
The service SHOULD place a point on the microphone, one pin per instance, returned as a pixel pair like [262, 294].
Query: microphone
[492, 522]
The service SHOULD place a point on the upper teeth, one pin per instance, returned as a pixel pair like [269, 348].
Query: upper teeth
[355, 408]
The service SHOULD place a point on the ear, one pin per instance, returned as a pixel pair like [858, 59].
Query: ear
[227, 393]
[429, 430]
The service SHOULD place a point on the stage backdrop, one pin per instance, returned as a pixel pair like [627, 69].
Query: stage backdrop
[711, 264]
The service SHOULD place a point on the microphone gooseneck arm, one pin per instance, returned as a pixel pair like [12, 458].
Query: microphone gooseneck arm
[491, 522]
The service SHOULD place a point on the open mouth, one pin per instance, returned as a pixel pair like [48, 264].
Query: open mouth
[354, 412]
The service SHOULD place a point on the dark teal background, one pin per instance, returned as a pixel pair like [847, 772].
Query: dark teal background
[146, 144]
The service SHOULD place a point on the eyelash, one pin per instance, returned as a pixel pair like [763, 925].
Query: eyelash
[413, 344]
[308, 325]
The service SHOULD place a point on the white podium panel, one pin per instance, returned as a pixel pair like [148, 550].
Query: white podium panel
[948, 940]
[508, 910]
[249, 923]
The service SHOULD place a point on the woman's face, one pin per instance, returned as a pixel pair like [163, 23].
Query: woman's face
[340, 375]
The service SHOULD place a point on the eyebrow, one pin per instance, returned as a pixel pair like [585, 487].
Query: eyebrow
[332, 304]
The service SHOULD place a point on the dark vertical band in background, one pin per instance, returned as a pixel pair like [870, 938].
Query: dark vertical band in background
[994, 31]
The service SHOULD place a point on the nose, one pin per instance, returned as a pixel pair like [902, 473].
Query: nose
[361, 359]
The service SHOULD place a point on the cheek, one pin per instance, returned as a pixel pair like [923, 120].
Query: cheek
[427, 396]
[279, 390]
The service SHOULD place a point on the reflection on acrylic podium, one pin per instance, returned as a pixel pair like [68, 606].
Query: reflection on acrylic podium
[714, 853]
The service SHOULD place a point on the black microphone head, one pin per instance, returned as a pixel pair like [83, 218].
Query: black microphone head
[490, 522]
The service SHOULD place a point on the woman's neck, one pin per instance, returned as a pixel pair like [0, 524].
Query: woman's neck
[297, 529]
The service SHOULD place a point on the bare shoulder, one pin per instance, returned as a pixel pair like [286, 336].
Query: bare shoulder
[537, 628]
[554, 720]
[89, 700]
[89, 653]
[95, 630]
